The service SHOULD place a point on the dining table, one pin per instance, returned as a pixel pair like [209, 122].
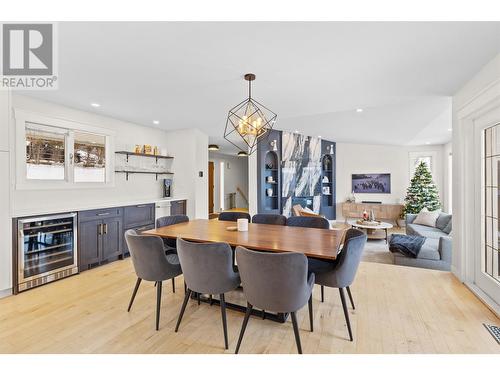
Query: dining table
[314, 243]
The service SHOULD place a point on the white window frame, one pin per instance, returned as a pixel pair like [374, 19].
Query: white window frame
[68, 127]
[414, 155]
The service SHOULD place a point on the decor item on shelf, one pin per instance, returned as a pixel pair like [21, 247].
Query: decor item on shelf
[156, 151]
[242, 225]
[213, 148]
[325, 180]
[269, 192]
[138, 149]
[330, 149]
[326, 190]
[147, 149]
[249, 121]
[327, 163]
[371, 183]
[270, 165]
[274, 145]
[351, 198]
[270, 179]
[242, 154]
[422, 192]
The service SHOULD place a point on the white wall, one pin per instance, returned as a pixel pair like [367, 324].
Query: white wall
[447, 177]
[235, 175]
[5, 222]
[482, 89]
[189, 148]
[361, 158]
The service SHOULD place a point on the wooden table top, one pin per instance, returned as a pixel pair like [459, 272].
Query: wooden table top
[314, 243]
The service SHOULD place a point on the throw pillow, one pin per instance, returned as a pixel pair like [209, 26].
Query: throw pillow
[447, 229]
[427, 218]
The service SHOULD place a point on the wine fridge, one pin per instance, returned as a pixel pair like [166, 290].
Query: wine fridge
[46, 249]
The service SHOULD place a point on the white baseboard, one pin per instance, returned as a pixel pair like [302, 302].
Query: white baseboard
[5, 293]
[492, 305]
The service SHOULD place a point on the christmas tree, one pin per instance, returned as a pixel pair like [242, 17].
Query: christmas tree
[422, 192]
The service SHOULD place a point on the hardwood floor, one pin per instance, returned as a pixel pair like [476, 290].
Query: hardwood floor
[398, 310]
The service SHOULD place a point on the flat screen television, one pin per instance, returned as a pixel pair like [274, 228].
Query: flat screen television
[371, 183]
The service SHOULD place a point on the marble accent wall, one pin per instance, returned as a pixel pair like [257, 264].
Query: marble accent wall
[301, 170]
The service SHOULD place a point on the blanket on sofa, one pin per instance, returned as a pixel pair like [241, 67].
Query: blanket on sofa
[407, 245]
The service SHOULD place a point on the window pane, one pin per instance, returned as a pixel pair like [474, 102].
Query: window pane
[491, 202]
[44, 154]
[90, 157]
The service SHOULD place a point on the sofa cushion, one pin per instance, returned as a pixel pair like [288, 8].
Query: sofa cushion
[443, 220]
[426, 217]
[429, 250]
[447, 228]
[423, 230]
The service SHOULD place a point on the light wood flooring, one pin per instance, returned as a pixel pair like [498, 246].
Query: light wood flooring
[398, 310]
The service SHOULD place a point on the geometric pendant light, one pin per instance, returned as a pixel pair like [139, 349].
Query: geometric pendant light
[249, 122]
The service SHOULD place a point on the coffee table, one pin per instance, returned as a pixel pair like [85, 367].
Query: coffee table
[374, 232]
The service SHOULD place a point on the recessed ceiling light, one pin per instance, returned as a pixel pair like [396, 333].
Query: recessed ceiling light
[156, 122]
[359, 110]
[449, 129]
[427, 143]
[296, 132]
[319, 136]
[95, 105]
[213, 147]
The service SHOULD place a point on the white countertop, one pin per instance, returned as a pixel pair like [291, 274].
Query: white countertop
[85, 207]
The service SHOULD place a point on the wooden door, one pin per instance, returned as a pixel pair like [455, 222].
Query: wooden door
[210, 187]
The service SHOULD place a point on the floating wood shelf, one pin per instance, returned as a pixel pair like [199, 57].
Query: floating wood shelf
[130, 153]
[143, 172]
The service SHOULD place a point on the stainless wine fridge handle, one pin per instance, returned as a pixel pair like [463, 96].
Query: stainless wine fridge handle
[103, 214]
[105, 228]
[99, 229]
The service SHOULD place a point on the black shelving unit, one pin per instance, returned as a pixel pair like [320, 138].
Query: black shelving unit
[143, 172]
[328, 170]
[130, 153]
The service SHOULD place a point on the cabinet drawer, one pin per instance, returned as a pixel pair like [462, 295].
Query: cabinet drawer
[139, 215]
[99, 214]
[139, 231]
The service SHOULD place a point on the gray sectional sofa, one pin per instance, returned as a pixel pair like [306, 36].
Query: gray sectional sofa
[436, 250]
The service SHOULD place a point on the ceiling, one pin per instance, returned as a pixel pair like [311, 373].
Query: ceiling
[313, 75]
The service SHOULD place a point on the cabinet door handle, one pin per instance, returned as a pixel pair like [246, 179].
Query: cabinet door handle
[105, 228]
[99, 229]
[141, 206]
[103, 214]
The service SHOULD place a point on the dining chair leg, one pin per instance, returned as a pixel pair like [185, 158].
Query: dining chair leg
[198, 297]
[296, 332]
[185, 288]
[183, 308]
[263, 314]
[311, 313]
[158, 304]
[136, 288]
[322, 293]
[243, 327]
[211, 300]
[350, 297]
[224, 322]
[173, 284]
[156, 283]
[346, 312]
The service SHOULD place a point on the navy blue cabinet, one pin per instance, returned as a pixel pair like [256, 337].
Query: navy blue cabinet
[100, 237]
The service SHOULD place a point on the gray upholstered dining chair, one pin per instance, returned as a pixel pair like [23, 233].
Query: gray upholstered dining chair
[341, 273]
[165, 221]
[272, 219]
[275, 282]
[308, 222]
[151, 264]
[208, 269]
[233, 216]
[170, 243]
